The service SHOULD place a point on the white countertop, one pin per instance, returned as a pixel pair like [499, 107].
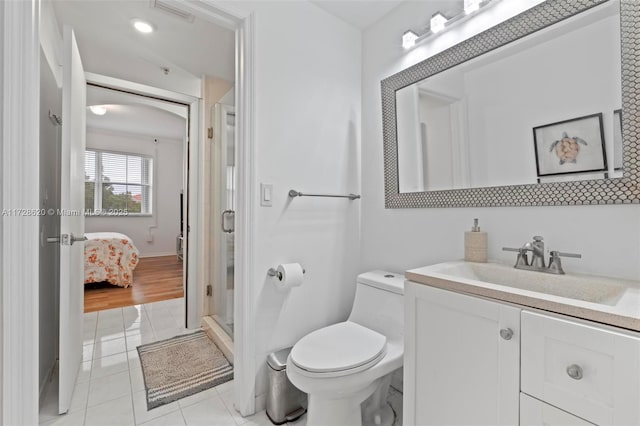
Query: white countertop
[605, 300]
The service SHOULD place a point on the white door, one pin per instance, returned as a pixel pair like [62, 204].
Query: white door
[72, 219]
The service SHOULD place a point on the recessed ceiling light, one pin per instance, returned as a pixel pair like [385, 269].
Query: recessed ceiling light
[142, 26]
[98, 109]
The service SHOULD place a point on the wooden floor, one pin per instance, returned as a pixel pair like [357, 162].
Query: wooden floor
[154, 279]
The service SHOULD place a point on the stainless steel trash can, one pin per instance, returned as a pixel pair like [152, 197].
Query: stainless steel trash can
[285, 402]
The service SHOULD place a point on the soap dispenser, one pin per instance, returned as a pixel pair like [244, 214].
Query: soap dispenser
[475, 244]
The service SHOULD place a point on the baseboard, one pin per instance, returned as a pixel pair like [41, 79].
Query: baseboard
[261, 402]
[169, 253]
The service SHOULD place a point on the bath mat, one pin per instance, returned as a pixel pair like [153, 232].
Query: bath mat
[181, 366]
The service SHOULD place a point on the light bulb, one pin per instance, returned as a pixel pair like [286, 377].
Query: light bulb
[471, 6]
[409, 39]
[437, 22]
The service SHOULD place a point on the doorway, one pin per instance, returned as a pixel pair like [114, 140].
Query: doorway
[21, 73]
[135, 171]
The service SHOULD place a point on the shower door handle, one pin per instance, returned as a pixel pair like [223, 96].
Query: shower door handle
[225, 214]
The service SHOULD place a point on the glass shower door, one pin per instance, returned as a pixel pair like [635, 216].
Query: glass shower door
[225, 191]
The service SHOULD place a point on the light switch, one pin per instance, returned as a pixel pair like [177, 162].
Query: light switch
[266, 194]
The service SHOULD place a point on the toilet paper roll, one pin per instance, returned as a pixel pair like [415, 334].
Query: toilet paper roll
[292, 275]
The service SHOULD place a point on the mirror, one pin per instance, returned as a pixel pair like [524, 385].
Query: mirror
[530, 112]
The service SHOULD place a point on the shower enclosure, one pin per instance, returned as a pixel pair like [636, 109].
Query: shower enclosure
[224, 204]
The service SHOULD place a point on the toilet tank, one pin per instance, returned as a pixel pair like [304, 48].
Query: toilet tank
[379, 302]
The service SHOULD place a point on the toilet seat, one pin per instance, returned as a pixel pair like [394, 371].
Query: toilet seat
[338, 350]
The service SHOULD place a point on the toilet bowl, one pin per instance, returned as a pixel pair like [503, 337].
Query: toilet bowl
[345, 364]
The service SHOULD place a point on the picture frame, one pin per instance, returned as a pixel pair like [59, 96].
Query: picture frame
[617, 140]
[573, 177]
[570, 146]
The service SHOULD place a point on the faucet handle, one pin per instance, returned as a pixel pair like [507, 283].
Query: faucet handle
[537, 238]
[555, 253]
[522, 259]
[511, 249]
[555, 265]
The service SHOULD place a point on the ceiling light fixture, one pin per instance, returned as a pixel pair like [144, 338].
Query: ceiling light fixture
[142, 26]
[439, 22]
[98, 109]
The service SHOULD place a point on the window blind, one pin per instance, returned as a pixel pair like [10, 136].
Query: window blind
[117, 183]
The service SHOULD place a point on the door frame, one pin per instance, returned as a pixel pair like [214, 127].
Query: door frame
[191, 277]
[245, 364]
[20, 92]
[19, 233]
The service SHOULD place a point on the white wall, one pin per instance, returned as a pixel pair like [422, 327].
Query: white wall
[502, 111]
[307, 137]
[167, 166]
[607, 236]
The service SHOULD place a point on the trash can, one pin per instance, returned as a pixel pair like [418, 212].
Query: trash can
[285, 402]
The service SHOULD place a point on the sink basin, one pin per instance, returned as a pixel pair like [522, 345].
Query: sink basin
[593, 289]
[606, 300]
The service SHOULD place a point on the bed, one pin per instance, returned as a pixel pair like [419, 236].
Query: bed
[110, 257]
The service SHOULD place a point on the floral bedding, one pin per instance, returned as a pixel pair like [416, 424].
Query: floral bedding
[111, 257]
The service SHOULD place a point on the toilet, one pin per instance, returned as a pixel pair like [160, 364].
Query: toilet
[345, 364]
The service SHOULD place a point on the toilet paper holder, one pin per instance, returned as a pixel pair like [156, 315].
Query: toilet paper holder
[273, 272]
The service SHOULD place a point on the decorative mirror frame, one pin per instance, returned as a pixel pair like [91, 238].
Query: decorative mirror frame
[625, 190]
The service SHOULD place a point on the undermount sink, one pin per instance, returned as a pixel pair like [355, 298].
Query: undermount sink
[591, 289]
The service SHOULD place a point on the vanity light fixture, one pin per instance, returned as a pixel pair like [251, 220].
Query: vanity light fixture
[142, 26]
[439, 22]
[98, 109]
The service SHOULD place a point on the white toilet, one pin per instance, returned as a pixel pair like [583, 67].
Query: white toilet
[344, 364]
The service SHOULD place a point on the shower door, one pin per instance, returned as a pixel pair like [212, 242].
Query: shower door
[224, 187]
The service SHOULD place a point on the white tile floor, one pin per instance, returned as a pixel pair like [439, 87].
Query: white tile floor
[110, 388]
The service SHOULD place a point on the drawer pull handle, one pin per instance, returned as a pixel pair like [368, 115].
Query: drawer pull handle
[574, 371]
[506, 333]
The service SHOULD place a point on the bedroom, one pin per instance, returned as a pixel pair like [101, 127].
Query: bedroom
[133, 195]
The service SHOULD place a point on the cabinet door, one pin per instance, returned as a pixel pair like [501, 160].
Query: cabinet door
[536, 413]
[458, 368]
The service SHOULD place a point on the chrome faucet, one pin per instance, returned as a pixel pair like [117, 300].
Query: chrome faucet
[536, 247]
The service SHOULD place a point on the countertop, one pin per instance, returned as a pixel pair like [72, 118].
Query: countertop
[622, 311]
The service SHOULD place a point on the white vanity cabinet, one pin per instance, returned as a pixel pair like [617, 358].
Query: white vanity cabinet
[458, 369]
[553, 370]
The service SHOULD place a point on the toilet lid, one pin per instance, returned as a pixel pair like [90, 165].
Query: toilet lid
[339, 347]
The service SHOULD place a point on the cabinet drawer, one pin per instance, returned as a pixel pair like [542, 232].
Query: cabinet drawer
[536, 413]
[587, 371]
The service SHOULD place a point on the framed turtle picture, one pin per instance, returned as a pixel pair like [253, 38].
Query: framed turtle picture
[570, 146]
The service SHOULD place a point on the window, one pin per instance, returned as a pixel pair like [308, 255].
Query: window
[117, 183]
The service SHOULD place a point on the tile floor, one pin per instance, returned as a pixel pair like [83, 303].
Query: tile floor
[110, 388]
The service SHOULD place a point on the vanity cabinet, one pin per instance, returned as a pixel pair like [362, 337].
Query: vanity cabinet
[462, 357]
[473, 361]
